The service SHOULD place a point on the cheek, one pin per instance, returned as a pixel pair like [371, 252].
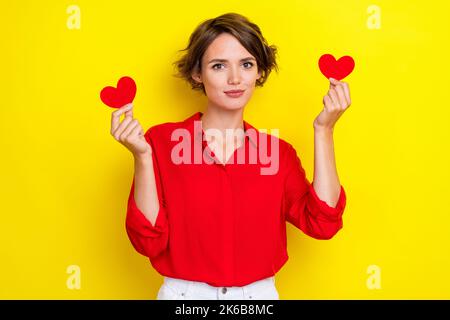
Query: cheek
[214, 88]
[251, 78]
[215, 79]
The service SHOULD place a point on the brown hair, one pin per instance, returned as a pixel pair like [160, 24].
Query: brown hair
[246, 32]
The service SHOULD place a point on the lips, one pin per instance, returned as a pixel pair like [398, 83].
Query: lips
[234, 93]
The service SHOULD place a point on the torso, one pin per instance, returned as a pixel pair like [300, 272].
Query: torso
[223, 152]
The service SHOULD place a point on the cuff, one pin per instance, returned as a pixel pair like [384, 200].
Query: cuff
[138, 222]
[330, 213]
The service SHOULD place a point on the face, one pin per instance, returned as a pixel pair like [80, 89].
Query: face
[227, 65]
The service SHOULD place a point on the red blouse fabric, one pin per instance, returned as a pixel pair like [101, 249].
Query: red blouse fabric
[226, 224]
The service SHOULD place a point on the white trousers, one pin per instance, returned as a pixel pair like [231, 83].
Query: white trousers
[179, 289]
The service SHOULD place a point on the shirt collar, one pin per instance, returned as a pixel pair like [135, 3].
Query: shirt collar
[250, 135]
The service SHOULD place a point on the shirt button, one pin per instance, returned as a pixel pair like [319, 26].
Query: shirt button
[224, 290]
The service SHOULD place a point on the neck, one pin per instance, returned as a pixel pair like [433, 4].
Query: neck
[221, 119]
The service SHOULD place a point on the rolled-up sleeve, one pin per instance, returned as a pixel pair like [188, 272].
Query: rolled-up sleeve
[302, 206]
[149, 240]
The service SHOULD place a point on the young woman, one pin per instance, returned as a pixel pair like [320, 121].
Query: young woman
[209, 208]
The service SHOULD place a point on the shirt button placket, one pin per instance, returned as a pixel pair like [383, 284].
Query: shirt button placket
[227, 219]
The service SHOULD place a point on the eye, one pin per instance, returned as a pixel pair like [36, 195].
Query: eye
[250, 64]
[217, 64]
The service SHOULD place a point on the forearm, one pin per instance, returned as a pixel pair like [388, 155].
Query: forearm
[326, 181]
[145, 192]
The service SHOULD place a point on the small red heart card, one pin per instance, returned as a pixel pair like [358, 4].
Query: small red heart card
[120, 96]
[339, 69]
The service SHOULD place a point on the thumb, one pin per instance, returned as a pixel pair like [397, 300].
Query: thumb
[129, 112]
[333, 81]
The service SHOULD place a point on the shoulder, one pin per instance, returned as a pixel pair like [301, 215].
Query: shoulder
[278, 148]
[283, 146]
[163, 130]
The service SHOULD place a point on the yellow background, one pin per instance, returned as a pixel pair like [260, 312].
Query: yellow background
[65, 180]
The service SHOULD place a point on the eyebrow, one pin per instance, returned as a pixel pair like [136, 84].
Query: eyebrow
[225, 60]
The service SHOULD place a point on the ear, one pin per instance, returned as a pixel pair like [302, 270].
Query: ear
[259, 75]
[197, 77]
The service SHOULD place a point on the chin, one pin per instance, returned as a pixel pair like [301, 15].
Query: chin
[233, 104]
[231, 107]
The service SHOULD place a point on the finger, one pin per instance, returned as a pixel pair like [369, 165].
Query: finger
[334, 98]
[128, 129]
[327, 102]
[141, 132]
[115, 116]
[341, 95]
[122, 127]
[347, 92]
[136, 131]
[333, 82]
[130, 111]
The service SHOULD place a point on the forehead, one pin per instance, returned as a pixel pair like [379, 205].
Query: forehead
[226, 46]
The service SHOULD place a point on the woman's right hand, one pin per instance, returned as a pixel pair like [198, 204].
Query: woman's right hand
[129, 132]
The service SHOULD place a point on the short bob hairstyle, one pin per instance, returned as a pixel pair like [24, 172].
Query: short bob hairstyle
[246, 32]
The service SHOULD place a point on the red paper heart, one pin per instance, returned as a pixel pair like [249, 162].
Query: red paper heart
[120, 96]
[339, 69]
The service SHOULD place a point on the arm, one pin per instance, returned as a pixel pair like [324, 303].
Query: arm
[146, 219]
[146, 222]
[145, 193]
[317, 208]
[303, 207]
[326, 181]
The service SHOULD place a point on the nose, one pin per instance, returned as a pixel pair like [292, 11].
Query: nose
[234, 76]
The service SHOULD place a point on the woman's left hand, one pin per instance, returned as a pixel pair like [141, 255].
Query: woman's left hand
[335, 102]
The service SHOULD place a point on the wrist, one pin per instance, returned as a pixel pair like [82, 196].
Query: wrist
[323, 130]
[143, 158]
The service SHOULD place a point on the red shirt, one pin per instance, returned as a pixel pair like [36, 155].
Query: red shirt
[226, 224]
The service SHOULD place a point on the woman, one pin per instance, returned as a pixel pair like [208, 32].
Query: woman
[209, 208]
